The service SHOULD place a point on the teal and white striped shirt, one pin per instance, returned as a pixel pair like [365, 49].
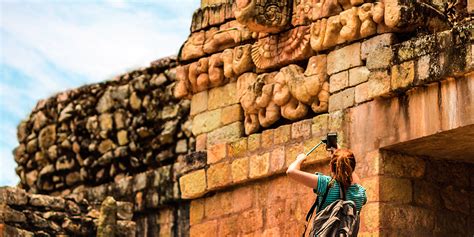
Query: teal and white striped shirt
[355, 192]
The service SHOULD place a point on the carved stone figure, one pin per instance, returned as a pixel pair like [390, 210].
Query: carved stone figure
[282, 49]
[237, 61]
[227, 36]
[269, 16]
[183, 87]
[192, 48]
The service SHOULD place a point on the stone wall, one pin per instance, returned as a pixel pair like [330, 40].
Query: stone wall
[265, 87]
[25, 214]
[103, 132]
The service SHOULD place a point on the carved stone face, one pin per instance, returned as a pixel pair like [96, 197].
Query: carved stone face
[269, 16]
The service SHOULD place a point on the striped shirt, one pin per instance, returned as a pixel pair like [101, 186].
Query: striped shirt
[355, 192]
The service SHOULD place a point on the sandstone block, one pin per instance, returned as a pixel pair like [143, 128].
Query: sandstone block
[201, 141]
[13, 196]
[253, 141]
[240, 169]
[206, 122]
[47, 136]
[344, 58]
[251, 221]
[370, 217]
[338, 81]
[380, 58]
[259, 165]
[238, 148]
[242, 199]
[421, 188]
[361, 92]
[227, 225]
[379, 84]
[232, 114]
[423, 67]
[218, 205]
[403, 75]
[358, 75]
[208, 228]
[122, 137]
[216, 153]
[399, 165]
[342, 100]
[193, 184]
[301, 129]
[8, 214]
[277, 159]
[282, 134]
[395, 190]
[226, 133]
[336, 121]
[379, 41]
[456, 199]
[219, 175]
[196, 212]
[320, 125]
[291, 151]
[199, 103]
[223, 96]
[267, 138]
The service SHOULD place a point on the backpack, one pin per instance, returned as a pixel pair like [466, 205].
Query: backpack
[340, 218]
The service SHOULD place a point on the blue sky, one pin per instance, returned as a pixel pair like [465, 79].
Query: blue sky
[51, 46]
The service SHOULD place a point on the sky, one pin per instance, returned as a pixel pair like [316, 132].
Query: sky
[53, 45]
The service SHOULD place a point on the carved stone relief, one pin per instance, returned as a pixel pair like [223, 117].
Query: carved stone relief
[352, 24]
[306, 11]
[282, 49]
[290, 93]
[237, 61]
[268, 16]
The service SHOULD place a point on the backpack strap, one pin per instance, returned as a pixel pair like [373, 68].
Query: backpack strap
[316, 206]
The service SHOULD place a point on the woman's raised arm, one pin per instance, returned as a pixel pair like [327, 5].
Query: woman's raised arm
[305, 178]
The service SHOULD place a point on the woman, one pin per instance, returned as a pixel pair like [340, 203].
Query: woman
[342, 166]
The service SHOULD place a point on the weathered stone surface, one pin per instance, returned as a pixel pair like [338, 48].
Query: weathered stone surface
[338, 81]
[380, 58]
[379, 84]
[206, 122]
[226, 133]
[344, 58]
[259, 165]
[358, 75]
[342, 100]
[379, 41]
[240, 170]
[107, 222]
[199, 102]
[219, 175]
[403, 75]
[193, 184]
[47, 136]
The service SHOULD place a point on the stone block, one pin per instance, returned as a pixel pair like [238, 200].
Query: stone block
[344, 58]
[336, 121]
[253, 142]
[199, 103]
[380, 58]
[342, 100]
[13, 196]
[45, 201]
[403, 76]
[222, 96]
[455, 199]
[206, 122]
[193, 185]
[237, 148]
[361, 92]
[227, 225]
[226, 133]
[251, 221]
[208, 228]
[378, 41]
[396, 190]
[423, 68]
[282, 134]
[358, 75]
[370, 217]
[219, 175]
[240, 169]
[421, 188]
[267, 138]
[338, 81]
[291, 151]
[259, 165]
[242, 199]
[201, 141]
[277, 159]
[232, 114]
[11, 215]
[301, 129]
[216, 153]
[320, 125]
[218, 205]
[470, 6]
[402, 166]
[379, 84]
[196, 211]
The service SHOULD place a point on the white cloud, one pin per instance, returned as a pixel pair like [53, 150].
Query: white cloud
[56, 45]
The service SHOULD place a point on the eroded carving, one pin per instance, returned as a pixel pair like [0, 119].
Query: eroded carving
[352, 24]
[192, 48]
[282, 49]
[268, 16]
[237, 61]
[290, 93]
[227, 36]
[305, 11]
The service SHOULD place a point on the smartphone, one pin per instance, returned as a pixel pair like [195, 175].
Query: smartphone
[331, 141]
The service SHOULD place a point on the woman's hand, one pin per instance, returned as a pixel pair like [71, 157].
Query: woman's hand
[301, 157]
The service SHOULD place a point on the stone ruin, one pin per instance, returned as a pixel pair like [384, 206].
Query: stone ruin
[198, 145]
